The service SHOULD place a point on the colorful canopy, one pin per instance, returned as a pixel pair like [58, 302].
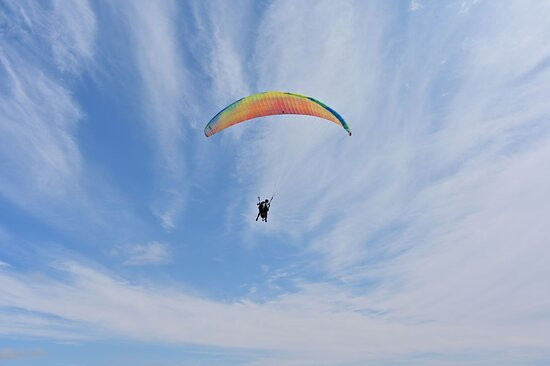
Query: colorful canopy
[271, 103]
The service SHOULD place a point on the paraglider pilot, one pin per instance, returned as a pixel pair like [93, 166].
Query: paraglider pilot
[263, 208]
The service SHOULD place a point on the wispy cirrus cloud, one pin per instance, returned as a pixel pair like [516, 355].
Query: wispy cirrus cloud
[164, 98]
[321, 323]
[151, 253]
[72, 34]
[39, 157]
[415, 5]
[222, 53]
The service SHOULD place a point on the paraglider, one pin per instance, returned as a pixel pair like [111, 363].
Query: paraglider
[268, 104]
[263, 208]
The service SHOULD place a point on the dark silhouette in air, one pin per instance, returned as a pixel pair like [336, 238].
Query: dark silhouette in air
[263, 208]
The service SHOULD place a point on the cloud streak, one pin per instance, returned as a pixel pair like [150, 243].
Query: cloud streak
[144, 254]
[165, 98]
[39, 157]
[321, 322]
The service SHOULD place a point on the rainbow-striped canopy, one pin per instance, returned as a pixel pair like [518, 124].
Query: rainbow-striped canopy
[271, 103]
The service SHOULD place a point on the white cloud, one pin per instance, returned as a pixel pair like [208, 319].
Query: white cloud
[44, 50]
[144, 254]
[321, 323]
[221, 50]
[415, 5]
[39, 155]
[72, 34]
[165, 101]
[39, 158]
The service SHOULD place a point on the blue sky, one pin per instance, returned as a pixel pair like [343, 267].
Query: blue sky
[128, 238]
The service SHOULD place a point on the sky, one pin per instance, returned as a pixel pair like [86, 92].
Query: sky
[129, 238]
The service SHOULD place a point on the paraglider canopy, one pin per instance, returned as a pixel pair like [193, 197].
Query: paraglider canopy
[271, 103]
